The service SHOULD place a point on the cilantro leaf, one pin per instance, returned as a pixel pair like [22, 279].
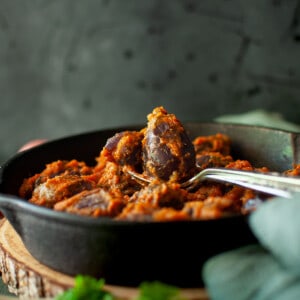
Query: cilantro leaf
[86, 287]
[90, 288]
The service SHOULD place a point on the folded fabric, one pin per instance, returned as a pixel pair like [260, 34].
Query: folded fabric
[249, 273]
[276, 224]
[270, 270]
[260, 117]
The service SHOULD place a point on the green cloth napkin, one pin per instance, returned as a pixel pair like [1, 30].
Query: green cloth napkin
[270, 270]
[262, 118]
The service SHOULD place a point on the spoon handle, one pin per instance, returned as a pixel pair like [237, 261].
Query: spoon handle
[270, 183]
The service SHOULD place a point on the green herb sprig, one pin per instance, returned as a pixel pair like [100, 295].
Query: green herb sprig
[90, 288]
[86, 288]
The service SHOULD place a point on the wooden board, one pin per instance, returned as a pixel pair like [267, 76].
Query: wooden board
[28, 278]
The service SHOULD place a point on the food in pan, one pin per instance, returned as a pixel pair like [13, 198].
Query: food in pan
[162, 152]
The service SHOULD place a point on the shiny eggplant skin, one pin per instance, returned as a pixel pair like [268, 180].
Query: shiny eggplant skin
[125, 148]
[167, 148]
[127, 253]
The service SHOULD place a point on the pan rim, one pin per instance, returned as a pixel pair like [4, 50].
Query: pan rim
[87, 220]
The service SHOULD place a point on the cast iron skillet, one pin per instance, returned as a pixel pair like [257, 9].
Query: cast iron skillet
[127, 253]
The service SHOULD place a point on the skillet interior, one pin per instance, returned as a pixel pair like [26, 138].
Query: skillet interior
[127, 253]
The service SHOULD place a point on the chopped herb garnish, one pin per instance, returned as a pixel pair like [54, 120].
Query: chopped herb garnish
[87, 287]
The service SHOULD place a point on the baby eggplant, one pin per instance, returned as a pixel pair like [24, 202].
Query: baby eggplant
[168, 152]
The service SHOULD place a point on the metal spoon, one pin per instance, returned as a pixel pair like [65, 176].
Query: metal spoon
[269, 183]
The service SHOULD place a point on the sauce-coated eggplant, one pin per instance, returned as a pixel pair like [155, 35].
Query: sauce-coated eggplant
[167, 149]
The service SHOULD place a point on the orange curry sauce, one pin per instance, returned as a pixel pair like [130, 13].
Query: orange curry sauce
[162, 152]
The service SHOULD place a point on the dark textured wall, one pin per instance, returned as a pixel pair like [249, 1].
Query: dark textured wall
[70, 66]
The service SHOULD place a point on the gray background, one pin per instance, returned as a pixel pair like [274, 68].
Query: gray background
[70, 66]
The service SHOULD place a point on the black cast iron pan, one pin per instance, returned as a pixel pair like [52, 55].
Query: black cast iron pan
[127, 253]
